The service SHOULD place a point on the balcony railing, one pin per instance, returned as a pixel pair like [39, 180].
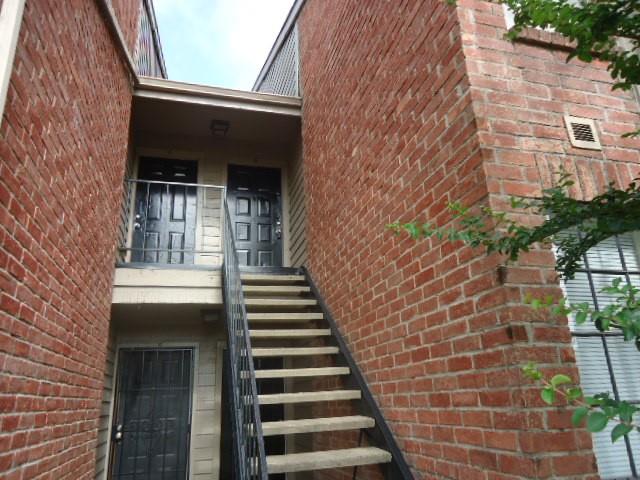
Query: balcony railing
[249, 460]
[171, 223]
[168, 222]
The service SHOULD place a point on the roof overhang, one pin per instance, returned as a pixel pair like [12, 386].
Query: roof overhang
[168, 107]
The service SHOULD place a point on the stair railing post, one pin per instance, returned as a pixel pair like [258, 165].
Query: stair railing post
[249, 452]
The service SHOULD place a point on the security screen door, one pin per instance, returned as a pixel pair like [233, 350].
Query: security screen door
[152, 419]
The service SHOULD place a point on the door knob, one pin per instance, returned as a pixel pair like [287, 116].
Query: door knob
[137, 226]
[117, 435]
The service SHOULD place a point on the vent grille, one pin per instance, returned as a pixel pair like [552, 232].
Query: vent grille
[582, 133]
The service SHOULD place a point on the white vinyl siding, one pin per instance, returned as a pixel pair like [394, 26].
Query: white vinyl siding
[606, 362]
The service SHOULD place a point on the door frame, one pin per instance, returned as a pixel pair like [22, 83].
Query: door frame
[195, 352]
[167, 154]
[284, 195]
[284, 205]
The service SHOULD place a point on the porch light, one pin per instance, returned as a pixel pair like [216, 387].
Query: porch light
[219, 128]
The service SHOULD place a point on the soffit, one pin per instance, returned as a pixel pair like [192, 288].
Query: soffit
[175, 108]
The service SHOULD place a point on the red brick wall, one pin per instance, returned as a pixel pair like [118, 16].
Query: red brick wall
[63, 149]
[390, 133]
[521, 92]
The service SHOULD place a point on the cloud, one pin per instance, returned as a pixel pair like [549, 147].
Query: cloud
[218, 42]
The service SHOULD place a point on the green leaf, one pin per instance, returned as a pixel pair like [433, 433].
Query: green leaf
[619, 431]
[581, 317]
[596, 422]
[574, 393]
[532, 371]
[560, 379]
[579, 415]
[548, 395]
[626, 411]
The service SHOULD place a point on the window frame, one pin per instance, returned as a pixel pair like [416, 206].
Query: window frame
[626, 273]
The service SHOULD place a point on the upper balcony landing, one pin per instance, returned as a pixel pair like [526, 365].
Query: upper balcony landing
[199, 156]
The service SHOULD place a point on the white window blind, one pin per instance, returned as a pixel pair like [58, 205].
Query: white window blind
[606, 362]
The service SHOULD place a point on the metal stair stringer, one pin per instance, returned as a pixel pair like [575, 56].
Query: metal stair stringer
[380, 434]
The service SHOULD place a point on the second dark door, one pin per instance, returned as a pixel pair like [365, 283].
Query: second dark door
[256, 214]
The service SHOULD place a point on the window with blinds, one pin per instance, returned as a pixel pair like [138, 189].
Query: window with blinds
[606, 362]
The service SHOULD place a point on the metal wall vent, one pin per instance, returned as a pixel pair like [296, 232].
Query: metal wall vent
[582, 132]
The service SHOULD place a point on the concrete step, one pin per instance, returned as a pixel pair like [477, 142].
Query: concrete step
[284, 317]
[275, 289]
[348, 457]
[309, 425]
[306, 397]
[280, 302]
[302, 372]
[270, 278]
[293, 351]
[290, 333]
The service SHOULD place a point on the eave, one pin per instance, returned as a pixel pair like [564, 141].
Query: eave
[166, 107]
[172, 91]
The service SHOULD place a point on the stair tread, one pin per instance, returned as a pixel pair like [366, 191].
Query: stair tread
[308, 425]
[290, 333]
[348, 457]
[293, 351]
[284, 316]
[272, 278]
[301, 397]
[301, 372]
[276, 289]
[279, 302]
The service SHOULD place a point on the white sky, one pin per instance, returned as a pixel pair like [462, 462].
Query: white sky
[218, 42]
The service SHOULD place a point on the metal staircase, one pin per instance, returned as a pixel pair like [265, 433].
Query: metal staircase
[288, 320]
[284, 316]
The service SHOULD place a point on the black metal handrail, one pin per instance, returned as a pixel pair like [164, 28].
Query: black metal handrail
[249, 462]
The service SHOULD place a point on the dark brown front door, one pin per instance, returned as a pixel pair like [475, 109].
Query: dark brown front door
[165, 215]
[151, 427]
[256, 213]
